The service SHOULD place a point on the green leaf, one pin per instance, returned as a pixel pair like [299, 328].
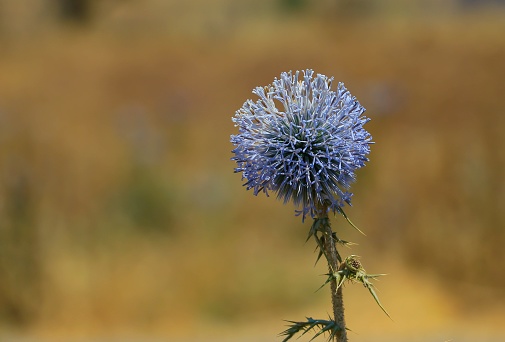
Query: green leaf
[320, 245]
[304, 327]
[340, 277]
[370, 288]
[330, 277]
[341, 211]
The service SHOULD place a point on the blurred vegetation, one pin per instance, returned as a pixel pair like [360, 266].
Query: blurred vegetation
[118, 204]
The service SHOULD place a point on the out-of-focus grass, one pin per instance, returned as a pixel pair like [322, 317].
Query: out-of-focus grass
[119, 211]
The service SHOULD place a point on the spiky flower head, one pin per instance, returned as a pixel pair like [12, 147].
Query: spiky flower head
[302, 140]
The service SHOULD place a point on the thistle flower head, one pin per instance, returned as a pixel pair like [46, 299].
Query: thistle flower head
[302, 140]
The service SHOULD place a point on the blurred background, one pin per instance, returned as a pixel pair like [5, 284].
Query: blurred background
[121, 218]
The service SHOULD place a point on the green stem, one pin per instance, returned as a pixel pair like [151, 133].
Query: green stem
[330, 251]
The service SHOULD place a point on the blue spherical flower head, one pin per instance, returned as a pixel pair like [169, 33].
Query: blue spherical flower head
[302, 140]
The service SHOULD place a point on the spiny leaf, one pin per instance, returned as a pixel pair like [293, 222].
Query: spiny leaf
[320, 245]
[304, 327]
[340, 277]
[330, 277]
[346, 243]
[370, 288]
[319, 255]
[341, 211]
[330, 326]
[375, 276]
[314, 228]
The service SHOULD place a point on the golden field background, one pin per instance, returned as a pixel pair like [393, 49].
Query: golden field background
[121, 218]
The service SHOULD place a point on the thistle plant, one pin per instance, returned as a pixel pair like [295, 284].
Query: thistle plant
[304, 141]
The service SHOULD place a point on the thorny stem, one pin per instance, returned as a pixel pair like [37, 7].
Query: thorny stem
[330, 250]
